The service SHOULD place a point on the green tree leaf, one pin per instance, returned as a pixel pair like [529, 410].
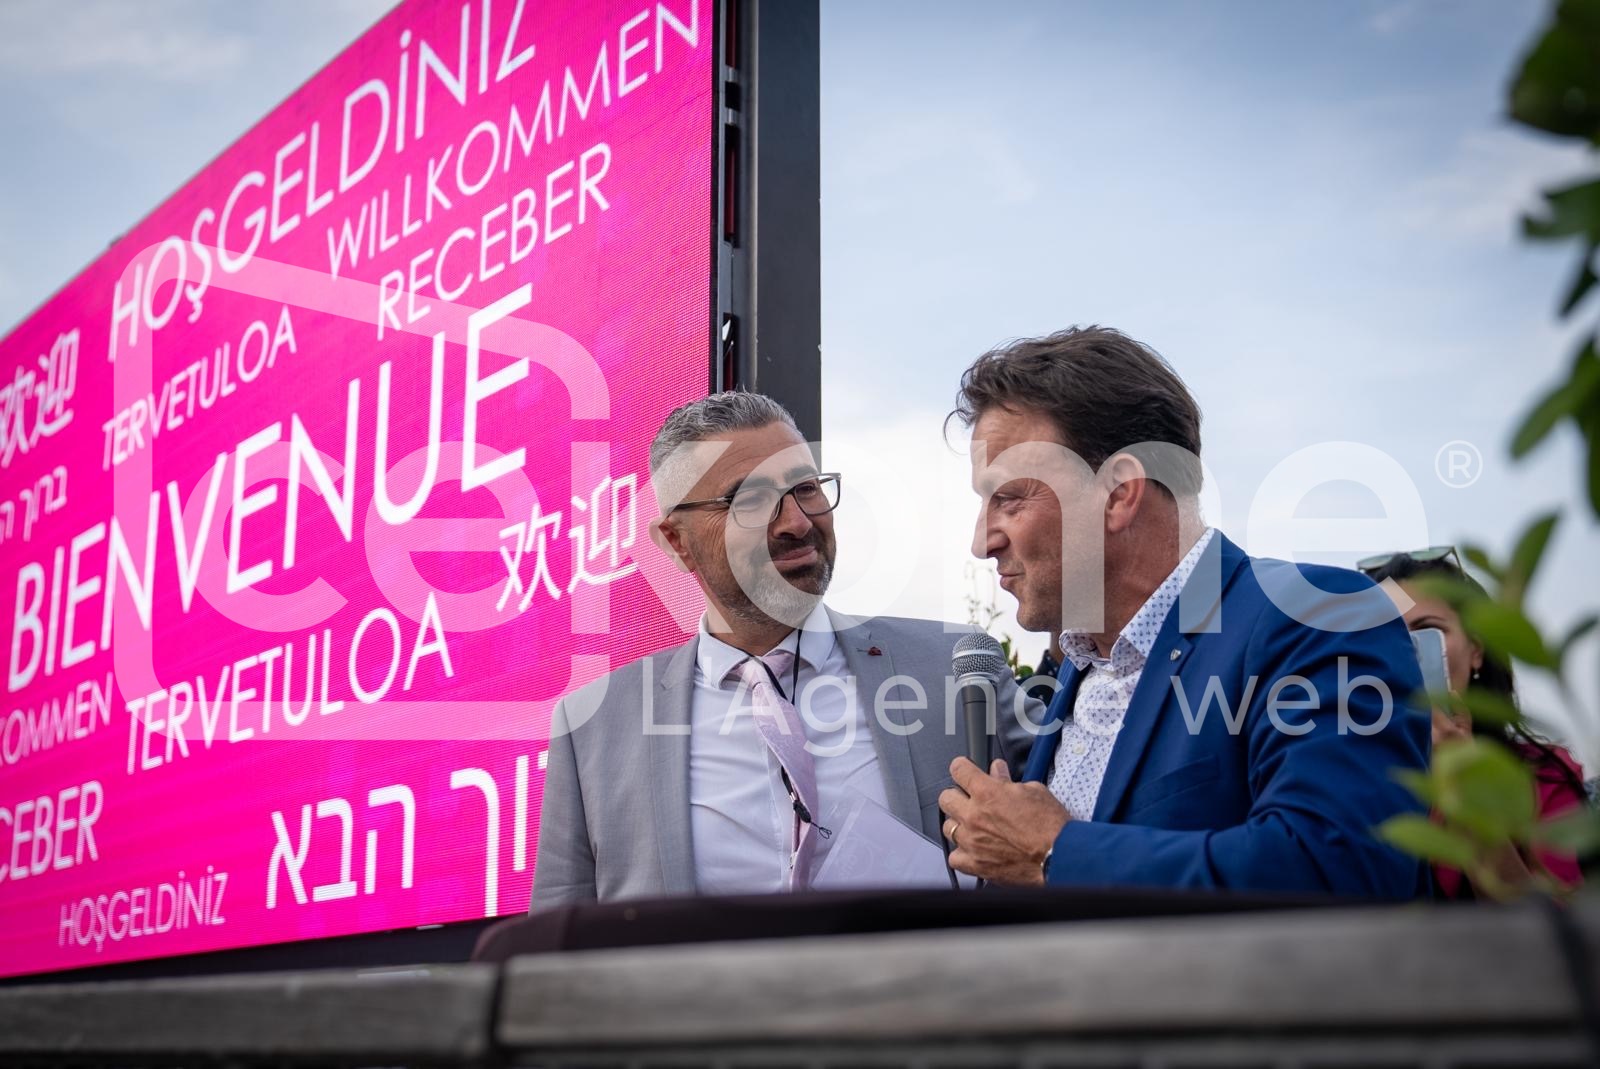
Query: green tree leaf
[1590, 423]
[1557, 87]
[1582, 283]
[1556, 405]
[1450, 589]
[1487, 789]
[1578, 398]
[1529, 552]
[1479, 558]
[1585, 373]
[1504, 629]
[1419, 783]
[1571, 211]
[1571, 833]
[1580, 629]
[1488, 708]
[1420, 837]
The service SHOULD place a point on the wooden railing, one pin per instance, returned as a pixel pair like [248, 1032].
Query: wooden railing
[1419, 986]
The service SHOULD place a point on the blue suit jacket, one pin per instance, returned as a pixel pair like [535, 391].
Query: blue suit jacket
[1204, 789]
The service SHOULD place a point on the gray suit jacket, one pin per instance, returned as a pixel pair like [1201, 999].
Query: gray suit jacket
[615, 821]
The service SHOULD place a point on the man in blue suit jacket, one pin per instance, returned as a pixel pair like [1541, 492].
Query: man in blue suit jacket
[1223, 721]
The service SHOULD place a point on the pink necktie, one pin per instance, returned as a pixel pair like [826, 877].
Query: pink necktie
[785, 735]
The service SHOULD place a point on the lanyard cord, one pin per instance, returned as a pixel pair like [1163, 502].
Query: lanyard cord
[800, 809]
[794, 672]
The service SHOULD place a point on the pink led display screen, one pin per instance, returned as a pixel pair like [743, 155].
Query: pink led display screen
[327, 479]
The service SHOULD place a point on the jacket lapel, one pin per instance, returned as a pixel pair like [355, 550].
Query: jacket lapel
[1049, 737]
[1195, 612]
[893, 750]
[669, 759]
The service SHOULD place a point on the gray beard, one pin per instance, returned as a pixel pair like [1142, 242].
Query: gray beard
[771, 598]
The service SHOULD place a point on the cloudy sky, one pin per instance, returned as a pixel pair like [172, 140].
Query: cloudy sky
[1308, 208]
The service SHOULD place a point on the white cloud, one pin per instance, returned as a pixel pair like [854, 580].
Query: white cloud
[963, 146]
[905, 526]
[1393, 18]
[157, 40]
[1492, 177]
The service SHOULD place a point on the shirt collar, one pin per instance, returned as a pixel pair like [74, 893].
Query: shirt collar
[716, 659]
[1138, 636]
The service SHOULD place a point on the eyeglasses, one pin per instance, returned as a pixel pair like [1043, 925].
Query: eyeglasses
[758, 506]
[1368, 565]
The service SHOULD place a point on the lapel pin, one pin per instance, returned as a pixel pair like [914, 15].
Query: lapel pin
[1175, 655]
[873, 651]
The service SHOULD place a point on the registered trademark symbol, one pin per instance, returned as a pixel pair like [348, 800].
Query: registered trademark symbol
[1458, 464]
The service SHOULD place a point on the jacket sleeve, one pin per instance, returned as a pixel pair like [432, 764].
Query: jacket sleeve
[1320, 778]
[564, 863]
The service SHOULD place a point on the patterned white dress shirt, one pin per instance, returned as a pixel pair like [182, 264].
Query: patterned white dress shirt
[1108, 683]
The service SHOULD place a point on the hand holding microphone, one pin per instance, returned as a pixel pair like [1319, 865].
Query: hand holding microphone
[999, 830]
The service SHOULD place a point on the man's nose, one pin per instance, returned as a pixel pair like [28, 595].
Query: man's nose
[986, 540]
[791, 519]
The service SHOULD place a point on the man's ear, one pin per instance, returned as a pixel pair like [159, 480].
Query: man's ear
[665, 534]
[1126, 486]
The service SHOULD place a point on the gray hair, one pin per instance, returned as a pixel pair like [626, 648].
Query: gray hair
[731, 410]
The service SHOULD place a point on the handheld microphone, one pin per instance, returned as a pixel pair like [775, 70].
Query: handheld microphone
[977, 664]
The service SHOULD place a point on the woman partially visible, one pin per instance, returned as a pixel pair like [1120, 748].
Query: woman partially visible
[1557, 777]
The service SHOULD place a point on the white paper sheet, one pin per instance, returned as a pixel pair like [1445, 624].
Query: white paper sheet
[870, 847]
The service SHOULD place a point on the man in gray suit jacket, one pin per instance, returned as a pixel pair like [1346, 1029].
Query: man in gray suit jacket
[658, 780]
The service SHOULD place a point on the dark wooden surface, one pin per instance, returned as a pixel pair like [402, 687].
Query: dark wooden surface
[1431, 986]
[1402, 967]
[440, 1014]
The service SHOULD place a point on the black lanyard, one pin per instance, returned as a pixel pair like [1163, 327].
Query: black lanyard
[794, 672]
[794, 688]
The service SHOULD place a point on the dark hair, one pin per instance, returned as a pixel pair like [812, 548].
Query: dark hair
[1105, 392]
[1495, 675]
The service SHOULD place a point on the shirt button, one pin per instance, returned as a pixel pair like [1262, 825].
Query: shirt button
[1079, 747]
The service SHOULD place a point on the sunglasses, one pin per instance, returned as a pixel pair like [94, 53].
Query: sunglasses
[1368, 565]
